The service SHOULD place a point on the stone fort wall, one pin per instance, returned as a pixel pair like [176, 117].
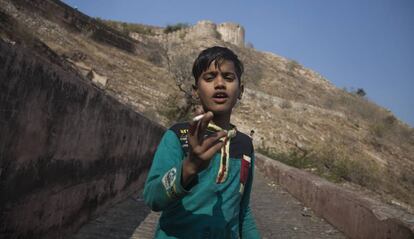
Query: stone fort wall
[229, 32]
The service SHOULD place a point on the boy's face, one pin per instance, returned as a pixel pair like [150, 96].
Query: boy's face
[219, 88]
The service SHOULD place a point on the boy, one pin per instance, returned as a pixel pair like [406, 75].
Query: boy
[202, 172]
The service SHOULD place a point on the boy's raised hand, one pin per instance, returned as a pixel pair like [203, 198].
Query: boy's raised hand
[201, 148]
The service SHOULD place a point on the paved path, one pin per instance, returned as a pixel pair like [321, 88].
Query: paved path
[277, 214]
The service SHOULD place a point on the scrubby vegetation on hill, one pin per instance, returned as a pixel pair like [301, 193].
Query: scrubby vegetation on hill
[127, 28]
[299, 117]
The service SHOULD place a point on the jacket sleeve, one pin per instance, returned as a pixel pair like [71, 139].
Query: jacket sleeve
[248, 229]
[163, 185]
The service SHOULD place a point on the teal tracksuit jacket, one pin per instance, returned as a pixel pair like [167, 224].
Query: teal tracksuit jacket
[217, 205]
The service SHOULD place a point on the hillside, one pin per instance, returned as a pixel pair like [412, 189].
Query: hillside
[298, 116]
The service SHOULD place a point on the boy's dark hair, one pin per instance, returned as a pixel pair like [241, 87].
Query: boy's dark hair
[217, 54]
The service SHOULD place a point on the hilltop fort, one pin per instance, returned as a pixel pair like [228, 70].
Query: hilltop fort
[228, 32]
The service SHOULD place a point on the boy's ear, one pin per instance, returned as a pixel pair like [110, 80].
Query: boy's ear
[241, 92]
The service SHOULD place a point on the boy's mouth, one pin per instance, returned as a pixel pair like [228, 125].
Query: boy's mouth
[220, 97]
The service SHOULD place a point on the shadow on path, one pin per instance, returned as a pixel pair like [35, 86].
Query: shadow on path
[120, 221]
[277, 215]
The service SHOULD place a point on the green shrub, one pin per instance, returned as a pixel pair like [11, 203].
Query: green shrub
[292, 66]
[173, 111]
[170, 109]
[360, 92]
[382, 127]
[182, 35]
[175, 27]
[333, 164]
[378, 129]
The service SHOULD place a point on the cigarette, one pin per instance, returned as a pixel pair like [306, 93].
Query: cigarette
[198, 117]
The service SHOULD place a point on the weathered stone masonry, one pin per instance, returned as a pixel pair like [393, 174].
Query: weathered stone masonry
[67, 150]
[229, 32]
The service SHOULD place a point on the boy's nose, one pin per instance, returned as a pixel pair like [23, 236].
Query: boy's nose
[219, 82]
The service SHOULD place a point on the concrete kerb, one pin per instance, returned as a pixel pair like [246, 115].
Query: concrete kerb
[355, 215]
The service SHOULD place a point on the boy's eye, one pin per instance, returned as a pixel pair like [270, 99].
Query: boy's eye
[208, 77]
[229, 77]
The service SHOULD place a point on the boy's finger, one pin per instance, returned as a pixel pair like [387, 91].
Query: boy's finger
[197, 128]
[211, 140]
[194, 123]
[207, 155]
[193, 126]
[192, 137]
[204, 123]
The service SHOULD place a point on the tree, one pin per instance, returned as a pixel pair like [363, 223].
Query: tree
[360, 92]
[179, 65]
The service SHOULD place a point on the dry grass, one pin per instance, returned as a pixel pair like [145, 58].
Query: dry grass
[286, 104]
[339, 164]
[331, 162]
[126, 28]
[382, 125]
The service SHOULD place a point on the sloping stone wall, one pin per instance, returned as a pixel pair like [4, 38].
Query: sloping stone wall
[358, 217]
[67, 150]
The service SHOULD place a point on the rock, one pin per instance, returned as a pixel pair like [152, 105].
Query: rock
[97, 79]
